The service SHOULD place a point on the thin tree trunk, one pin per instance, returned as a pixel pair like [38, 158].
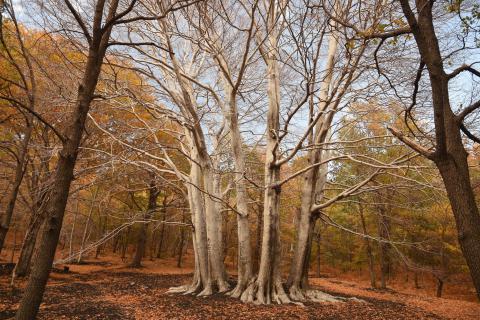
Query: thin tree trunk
[116, 241]
[383, 247]
[87, 224]
[163, 212]
[126, 241]
[70, 246]
[142, 238]
[14, 244]
[176, 243]
[306, 266]
[22, 268]
[244, 265]
[101, 232]
[318, 242]
[20, 169]
[439, 288]
[258, 238]
[415, 280]
[371, 265]
[182, 241]
[152, 245]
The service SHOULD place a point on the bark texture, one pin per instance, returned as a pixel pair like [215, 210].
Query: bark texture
[22, 268]
[243, 228]
[268, 288]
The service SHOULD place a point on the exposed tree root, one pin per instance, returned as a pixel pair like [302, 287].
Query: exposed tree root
[194, 287]
[186, 289]
[223, 286]
[207, 291]
[297, 294]
[238, 290]
[256, 294]
[260, 294]
[320, 296]
[179, 289]
[198, 289]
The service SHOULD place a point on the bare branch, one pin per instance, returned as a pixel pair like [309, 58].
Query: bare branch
[412, 144]
[465, 112]
[461, 69]
[79, 20]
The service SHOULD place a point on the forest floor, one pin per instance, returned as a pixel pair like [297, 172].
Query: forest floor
[106, 289]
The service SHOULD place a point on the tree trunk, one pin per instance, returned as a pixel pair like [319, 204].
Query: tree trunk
[415, 280]
[450, 155]
[142, 237]
[17, 181]
[116, 241]
[85, 230]
[319, 239]
[383, 233]
[126, 241]
[214, 228]
[162, 230]
[306, 267]
[304, 229]
[14, 246]
[268, 288]
[258, 237]
[243, 229]
[203, 280]
[100, 232]
[22, 268]
[371, 264]
[312, 187]
[204, 179]
[460, 193]
[182, 242]
[70, 245]
[152, 246]
[439, 288]
[63, 176]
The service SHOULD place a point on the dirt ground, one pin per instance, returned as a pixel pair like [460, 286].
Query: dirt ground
[109, 290]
